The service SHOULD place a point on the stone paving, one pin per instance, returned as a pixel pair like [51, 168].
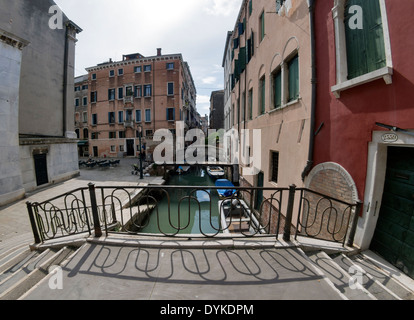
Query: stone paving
[14, 219]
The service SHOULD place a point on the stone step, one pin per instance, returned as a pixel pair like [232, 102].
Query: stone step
[339, 277]
[40, 268]
[379, 275]
[22, 269]
[15, 261]
[363, 276]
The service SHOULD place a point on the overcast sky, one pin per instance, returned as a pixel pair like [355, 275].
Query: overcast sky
[195, 28]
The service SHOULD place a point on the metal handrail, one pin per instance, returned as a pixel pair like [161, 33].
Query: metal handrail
[105, 211]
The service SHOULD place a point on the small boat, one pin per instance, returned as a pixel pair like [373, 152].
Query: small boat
[215, 172]
[182, 170]
[229, 191]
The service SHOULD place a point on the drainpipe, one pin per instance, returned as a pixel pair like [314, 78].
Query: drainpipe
[309, 164]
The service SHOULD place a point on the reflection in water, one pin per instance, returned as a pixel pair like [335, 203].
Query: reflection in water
[189, 211]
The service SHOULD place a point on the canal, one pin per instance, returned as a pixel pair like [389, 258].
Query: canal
[189, 216]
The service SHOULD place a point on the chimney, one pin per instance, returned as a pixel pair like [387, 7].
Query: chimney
[159, 52]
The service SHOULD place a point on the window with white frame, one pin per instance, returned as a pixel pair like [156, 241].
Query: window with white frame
[362, 43]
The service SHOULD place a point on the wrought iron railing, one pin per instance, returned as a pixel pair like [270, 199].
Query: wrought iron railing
[194, 212]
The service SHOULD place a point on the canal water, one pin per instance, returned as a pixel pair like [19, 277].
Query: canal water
[189, 216]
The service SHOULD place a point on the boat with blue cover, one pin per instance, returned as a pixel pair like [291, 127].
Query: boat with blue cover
[228, 188]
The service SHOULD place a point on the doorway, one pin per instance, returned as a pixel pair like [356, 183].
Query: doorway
[40, 161]
[130, 147]
[394, 234]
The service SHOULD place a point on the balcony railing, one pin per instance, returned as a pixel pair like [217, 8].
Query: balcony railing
[130, 210]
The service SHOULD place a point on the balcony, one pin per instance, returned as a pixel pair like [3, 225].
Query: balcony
[129, 124]
[129, 101]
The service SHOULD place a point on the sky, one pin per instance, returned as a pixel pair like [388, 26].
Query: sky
[195, 28]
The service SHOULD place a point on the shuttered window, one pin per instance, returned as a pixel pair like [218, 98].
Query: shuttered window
[293, 67]
[365, 46]
[262, 26]
[277, 89]
[262, 100]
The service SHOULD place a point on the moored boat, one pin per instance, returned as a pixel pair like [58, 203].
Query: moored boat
[228, 188]
[215, 172]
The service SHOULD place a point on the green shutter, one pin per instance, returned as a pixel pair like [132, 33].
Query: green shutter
[365, 47]
[242, 59]
[293, 66]
[262, 95]
[277, 83]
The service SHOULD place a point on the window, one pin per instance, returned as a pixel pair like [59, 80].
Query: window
[262, 96]
[250, 98]
[113, 149]
[84, 101]
[147, 68]
[85, 117]
[170, 114]
[147, 90]
[93, 76]
[128, 116]
[170, 88]
[94, 96]
[77, 88]
[148, 115]
[262, 26]
[365, 47]
[94, 136]
[277, 89]
[274, 162]
[111, 117]
[138, 69]
[121, 148]
[112, 135]
[120, 117]
[85, 134]
[112, 73]
[77, 102]
[120, 72]
[121, 134]
[170, 66]
[250, 7]
[94, 119]
[111, 94]
[128, 91]
[149, 133]
[293, 87]
[138, 116]
[85, 87]
[138, 91]
[120, 93]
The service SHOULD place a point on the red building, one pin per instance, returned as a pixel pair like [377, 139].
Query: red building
[364, 53]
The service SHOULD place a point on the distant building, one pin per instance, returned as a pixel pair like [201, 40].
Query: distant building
[137, 94]
[38, 141]
[81, 114]
[217, 110]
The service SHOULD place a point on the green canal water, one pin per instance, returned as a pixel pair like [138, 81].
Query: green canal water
[192, 212]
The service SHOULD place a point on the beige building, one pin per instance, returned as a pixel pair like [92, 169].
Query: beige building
[137, 94]
[271, 89]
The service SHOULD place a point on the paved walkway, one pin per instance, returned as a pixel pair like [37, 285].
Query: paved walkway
[14, 220]
[106, 272]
